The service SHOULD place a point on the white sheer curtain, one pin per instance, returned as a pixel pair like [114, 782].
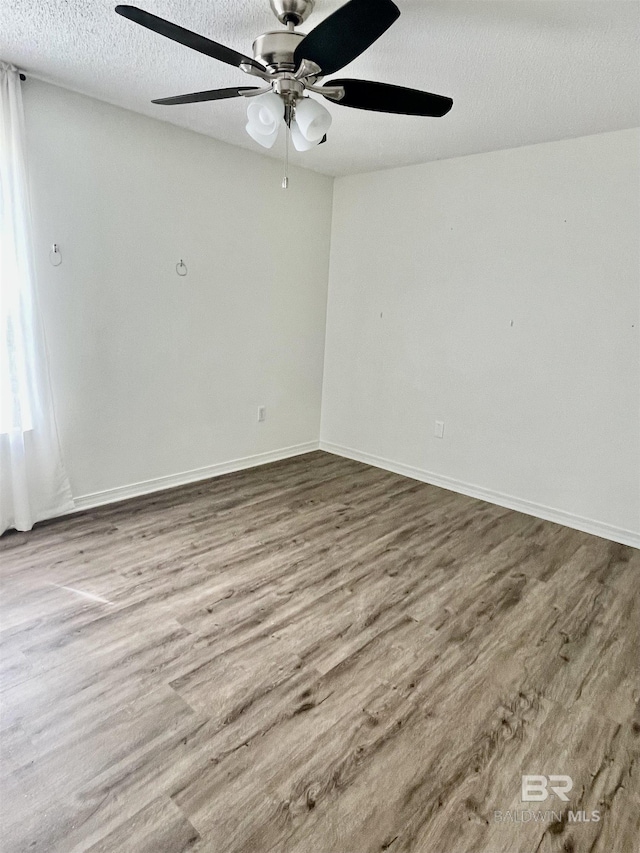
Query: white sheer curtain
[33, 483]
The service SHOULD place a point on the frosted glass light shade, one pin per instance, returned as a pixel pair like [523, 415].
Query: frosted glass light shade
[313, 119]
[267, 140]
[265, 113]
[299, 142]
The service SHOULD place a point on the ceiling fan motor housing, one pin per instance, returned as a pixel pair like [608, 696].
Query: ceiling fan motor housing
[292, 11]
[276, 49]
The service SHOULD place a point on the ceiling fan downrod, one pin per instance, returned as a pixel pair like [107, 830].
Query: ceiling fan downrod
[292, 11]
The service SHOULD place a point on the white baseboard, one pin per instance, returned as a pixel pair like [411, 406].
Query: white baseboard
[145, 487]
[586, 525]
[158, 484]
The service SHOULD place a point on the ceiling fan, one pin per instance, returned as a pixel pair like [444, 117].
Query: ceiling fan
[291, 64]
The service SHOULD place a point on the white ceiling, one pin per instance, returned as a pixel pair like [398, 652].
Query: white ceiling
[519, 71]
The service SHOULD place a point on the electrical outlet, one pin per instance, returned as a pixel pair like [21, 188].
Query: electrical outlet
[262, 414]
[439, 431]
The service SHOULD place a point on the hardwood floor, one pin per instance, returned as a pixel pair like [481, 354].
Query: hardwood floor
[316, 656]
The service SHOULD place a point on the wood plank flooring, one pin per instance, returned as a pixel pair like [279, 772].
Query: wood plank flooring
[316, 656]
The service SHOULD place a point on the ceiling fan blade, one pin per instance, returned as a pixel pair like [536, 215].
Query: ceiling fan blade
[386, 98]
[185, 37]
[210, 95]
[346, 34]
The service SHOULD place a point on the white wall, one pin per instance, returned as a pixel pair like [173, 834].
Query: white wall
[155, 375]
[508, 285]
[498, 293]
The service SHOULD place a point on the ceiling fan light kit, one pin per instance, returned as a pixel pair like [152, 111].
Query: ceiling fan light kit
[267, 113]
[291, 65]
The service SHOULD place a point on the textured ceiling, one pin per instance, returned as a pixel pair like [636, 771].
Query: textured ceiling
[519, 72]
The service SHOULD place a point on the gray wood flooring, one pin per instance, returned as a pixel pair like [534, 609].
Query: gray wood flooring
[316, 656]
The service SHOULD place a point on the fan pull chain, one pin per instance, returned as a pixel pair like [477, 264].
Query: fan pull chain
[285, 180]
[287, 119]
